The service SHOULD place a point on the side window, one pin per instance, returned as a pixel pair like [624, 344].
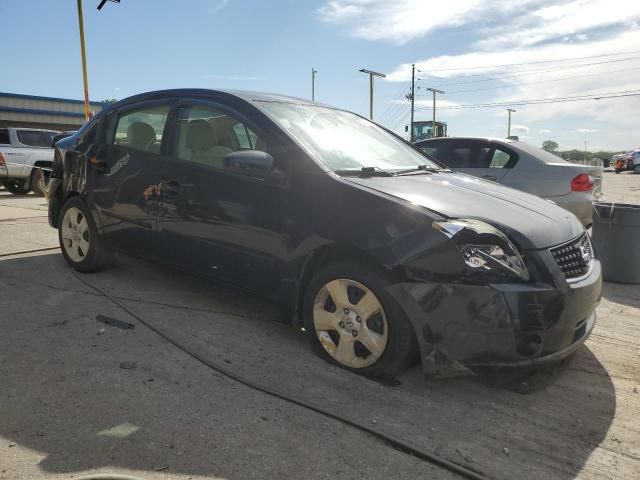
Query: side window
[141, 129]
[206, 135]
[4, 137]
[33, 138]
[501, 159]
[459, 157]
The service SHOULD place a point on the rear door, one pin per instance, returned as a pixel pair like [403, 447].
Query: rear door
[126, 170]
[478, 158]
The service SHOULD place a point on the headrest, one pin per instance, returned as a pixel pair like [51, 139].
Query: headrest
[200, 135]
[140, 133]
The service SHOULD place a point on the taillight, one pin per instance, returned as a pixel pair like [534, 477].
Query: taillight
[582, 183]
[2, 164]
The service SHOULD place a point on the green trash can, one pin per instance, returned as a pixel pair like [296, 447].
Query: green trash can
[616, 240]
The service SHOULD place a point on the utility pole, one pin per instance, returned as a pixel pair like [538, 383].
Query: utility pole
[371, 75]
[510, 110]
[87, 111]
[585, 149]
[313, 84]
[433, 124]
[413, 99]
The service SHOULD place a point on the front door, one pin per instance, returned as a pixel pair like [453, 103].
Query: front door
[126, 172]
[223, 224]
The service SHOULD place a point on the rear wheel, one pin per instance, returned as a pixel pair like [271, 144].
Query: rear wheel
[353, 322]
[16, 186]
[81, 245]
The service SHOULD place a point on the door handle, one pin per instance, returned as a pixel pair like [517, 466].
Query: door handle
[170, 188]
[100, 165]
[490, 177]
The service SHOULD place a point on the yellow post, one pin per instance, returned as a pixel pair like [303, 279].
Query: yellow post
[87, 111]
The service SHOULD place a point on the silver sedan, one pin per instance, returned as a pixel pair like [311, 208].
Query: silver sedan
[524, 167]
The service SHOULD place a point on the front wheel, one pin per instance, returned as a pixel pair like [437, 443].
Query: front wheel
[636, 169]
[353, 322]
[16, 186]
[81, 245]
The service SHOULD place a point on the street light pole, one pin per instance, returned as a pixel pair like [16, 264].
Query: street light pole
[371, 75]
[510, 110]
[313, 84]
[433, 124]
[87, 111]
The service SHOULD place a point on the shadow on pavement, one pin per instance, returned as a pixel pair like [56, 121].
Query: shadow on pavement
[88, 394]
[621, 293]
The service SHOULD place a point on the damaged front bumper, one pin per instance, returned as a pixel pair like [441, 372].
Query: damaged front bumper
[510, 324]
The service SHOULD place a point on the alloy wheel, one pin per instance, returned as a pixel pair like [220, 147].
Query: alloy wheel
[350, 323]
[75, 234]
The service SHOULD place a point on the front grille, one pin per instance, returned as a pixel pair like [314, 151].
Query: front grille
[574, 257]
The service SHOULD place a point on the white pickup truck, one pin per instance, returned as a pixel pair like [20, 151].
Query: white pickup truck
[25, 159]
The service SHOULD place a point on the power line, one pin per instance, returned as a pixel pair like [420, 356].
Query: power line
[547, 81]
[575, 98]
[533, 63]
[391, 108]
[524, 73]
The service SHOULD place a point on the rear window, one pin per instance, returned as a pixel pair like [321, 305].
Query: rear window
[35, 138]
[4, 137]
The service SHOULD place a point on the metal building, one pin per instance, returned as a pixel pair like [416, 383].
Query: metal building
[18, 110]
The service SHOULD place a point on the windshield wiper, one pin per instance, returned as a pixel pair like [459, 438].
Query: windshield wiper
[419, 168]
[365, 172]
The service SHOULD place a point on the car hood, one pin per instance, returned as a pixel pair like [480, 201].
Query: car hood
[529, 220]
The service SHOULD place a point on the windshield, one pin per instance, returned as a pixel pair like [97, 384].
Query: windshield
[344, 141]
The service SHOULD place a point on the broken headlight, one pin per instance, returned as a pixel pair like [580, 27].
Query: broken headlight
[485, 249]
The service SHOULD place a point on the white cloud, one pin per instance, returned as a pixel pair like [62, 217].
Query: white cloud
[398, 21]
[517, 22]
[217, 5]
[544, 130]
[585, 130]
[519, 128]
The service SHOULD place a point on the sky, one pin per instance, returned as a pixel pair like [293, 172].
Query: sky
[476, 51]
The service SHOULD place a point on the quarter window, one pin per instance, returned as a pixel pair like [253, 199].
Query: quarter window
[207, 134]
[142, 129]
[500, 159]
[4, 137]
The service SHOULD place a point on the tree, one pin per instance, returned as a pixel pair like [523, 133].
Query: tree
[109, 101]
[549, 146]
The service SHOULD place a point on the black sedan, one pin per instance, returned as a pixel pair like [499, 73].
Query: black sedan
[373, 248]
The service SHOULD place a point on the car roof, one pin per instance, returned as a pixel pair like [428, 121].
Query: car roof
[488, 139]
[246, 95]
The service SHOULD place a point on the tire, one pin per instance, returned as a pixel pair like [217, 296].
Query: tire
[81, 245]
[617, 170]
[636, 169]
[383, 343]
[38, 182]
[15, 186]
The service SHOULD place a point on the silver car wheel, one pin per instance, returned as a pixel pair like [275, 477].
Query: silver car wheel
[353, 334]
[75, 234]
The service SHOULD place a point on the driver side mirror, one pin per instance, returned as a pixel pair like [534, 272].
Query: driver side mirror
[253, 163]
